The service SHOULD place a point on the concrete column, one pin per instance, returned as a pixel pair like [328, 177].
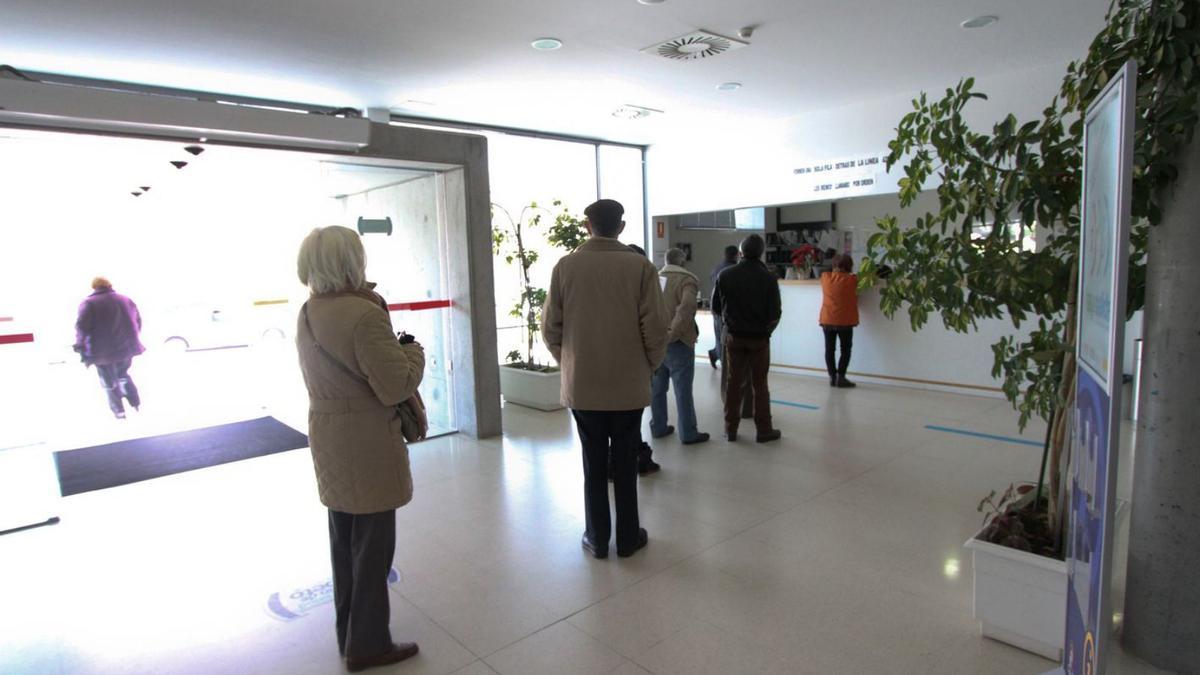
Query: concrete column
[467, 211]
[1162, 606]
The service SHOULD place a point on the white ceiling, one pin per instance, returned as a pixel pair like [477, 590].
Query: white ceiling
[471, 60]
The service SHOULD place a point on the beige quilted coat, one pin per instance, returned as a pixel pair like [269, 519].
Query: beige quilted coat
[358, 451]
[605, 323]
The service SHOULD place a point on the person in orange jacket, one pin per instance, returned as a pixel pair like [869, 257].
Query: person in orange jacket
[839, 316]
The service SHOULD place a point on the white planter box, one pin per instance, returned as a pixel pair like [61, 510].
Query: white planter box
[1020, 598]
[542, 391]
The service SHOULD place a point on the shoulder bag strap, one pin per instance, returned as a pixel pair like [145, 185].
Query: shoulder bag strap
[330, 357]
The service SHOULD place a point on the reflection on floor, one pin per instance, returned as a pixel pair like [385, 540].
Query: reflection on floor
[838, 550]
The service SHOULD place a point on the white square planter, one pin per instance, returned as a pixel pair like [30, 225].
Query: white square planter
[1020, 598]
[542, 391]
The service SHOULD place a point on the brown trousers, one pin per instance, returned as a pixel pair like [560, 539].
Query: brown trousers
[747, 359]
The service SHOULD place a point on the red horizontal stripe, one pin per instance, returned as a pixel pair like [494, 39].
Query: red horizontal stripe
[16, 338]
[418, 306]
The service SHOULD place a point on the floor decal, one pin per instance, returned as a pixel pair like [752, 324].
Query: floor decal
[292, 605]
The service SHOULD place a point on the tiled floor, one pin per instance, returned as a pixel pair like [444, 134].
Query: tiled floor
[837, 550]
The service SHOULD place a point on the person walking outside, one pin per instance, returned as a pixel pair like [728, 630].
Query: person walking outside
[680, 288]
[730, 259]
[839, 316]
[747, 298]
[604, 322]
[356, 372]
[106, 336]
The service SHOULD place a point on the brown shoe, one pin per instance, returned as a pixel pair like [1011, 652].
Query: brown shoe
[398, 653]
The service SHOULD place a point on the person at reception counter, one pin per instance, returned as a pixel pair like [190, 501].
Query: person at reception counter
[747, 298]
[839, 316]
[106, 336]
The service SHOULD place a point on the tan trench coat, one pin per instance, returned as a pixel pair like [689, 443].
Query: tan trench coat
[358, 451]
[605, 323]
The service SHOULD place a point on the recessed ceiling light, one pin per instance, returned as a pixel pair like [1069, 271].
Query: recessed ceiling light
[546, 44]
[651, 2]
[729, 86]
[980, 21]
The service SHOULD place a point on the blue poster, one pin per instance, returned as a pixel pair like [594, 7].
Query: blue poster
[1086, 547]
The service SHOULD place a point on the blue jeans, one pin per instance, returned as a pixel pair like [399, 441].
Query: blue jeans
[679, 369]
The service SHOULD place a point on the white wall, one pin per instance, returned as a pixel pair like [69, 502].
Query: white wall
[741, 167]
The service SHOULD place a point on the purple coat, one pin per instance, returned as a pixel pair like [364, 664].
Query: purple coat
[106, 331]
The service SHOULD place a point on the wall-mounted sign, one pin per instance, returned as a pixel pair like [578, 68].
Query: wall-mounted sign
[846, 176]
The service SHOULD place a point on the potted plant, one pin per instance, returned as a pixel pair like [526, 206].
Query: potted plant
[524, 379]
[803, 257]
[970, 260]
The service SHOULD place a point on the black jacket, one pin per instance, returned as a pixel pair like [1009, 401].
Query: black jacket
[746, 298]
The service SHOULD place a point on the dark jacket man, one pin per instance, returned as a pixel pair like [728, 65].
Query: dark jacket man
[747, 300]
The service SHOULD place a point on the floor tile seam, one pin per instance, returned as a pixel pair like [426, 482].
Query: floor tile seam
[633, 659]
[565, 620]
[444, 629]
[722, 495]
[653, 575]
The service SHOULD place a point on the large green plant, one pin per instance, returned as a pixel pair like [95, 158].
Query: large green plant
[514, 240]
[967, 262]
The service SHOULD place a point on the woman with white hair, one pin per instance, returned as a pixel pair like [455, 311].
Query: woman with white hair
[356, 372]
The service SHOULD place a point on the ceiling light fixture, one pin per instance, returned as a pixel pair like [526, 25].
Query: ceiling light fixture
[652, 2]
[178, 164]
[980, 21]
[729, 86]
[633, 112]
[193, 150]
[546, 44]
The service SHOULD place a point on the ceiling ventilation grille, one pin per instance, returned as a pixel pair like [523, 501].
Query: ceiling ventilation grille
[695, 46]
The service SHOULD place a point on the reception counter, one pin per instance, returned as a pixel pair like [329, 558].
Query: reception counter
[886, 351]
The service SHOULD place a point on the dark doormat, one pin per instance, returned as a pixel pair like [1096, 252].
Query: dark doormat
[105, 466]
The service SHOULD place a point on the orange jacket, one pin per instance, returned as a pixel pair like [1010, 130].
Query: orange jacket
[840, 306]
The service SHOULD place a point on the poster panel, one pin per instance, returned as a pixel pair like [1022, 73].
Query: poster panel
[1103, 272]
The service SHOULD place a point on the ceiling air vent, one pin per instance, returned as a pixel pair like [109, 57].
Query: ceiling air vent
[694, 46]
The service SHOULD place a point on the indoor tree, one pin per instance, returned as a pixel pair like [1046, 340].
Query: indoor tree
[515, 240]
[968, 260]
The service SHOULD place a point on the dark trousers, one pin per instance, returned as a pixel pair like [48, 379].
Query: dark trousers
[618, 432]
[114, 377]
[747, 358]
[833, 334]
[747, 391]
[362, 547]
[718, 328]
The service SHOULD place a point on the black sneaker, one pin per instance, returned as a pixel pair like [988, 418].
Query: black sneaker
[843, 383]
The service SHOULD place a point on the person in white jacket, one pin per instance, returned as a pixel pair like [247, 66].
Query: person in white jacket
[680, 288]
